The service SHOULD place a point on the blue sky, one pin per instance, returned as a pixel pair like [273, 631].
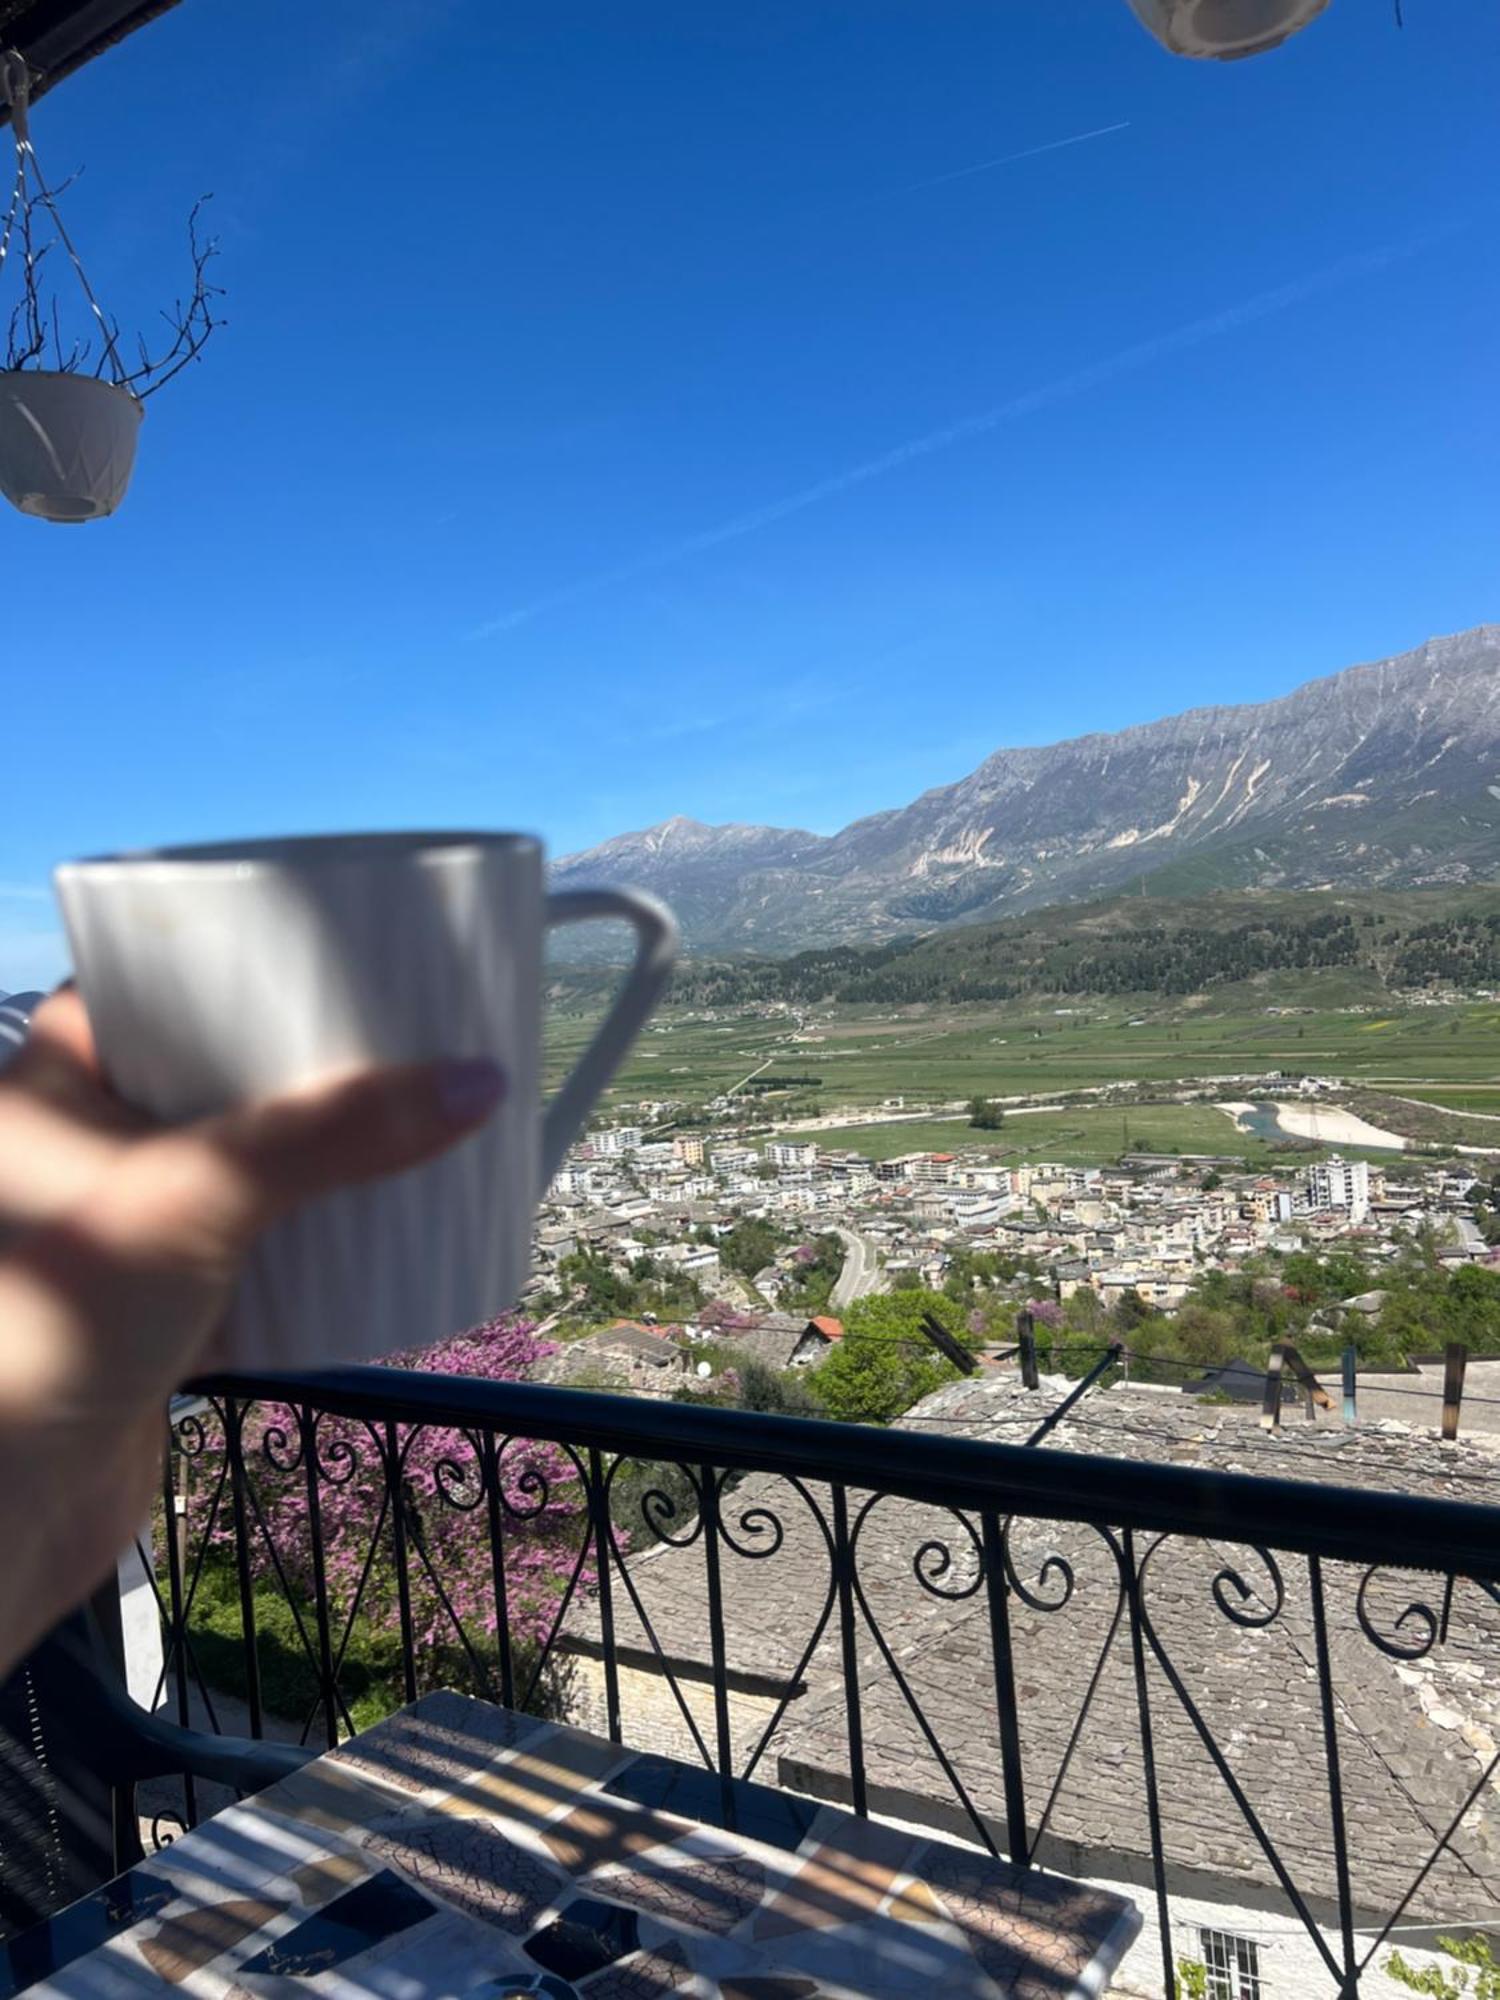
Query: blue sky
[628, 411]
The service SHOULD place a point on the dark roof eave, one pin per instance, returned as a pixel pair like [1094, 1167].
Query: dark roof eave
[59, 36]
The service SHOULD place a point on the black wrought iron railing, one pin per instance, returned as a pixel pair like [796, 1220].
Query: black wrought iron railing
[1232, 1691]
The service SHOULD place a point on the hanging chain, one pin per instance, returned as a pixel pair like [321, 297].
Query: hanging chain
[15, 85]
[16, 90]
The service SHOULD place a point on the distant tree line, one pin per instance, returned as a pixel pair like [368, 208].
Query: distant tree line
[1156, 958]
[1019, 958]
[1240, 1315]
[806, 975]
[1120, 947]
[1465, 950]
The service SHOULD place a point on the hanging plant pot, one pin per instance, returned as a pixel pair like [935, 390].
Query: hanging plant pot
[68, 433]
[67, 443]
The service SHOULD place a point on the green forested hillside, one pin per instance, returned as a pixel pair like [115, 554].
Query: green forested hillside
[1134, 944]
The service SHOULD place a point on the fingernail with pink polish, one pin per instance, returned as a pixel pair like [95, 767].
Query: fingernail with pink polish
[469, 1087]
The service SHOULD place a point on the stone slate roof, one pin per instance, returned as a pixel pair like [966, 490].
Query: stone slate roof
[1365, 1302]
[1241, 1380]
[1414, 1738]
[771, 1337]
[619, 1355]
[774, 1345]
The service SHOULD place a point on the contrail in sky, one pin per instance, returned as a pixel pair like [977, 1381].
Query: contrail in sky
[1009, 159]
[1128, 361]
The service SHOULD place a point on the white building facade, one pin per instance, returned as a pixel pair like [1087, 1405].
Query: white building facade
[1340, 1184]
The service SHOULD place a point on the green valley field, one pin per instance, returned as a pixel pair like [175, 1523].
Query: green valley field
[792, 1045]
[861, 1056]
[854, 1061]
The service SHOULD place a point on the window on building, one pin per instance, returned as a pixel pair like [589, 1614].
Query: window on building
[1233, 1966]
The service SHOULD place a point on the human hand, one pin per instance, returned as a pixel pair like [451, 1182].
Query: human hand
[120, 1243]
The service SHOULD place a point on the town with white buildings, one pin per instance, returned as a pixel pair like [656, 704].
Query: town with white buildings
[1149, 1224]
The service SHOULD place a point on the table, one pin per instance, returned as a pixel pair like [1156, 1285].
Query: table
[459, 1848]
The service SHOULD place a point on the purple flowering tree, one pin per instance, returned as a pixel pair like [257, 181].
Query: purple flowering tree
[436, 1477]
[722, 1317]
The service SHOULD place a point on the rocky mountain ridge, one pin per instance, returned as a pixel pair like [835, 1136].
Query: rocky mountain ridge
[1385, 775]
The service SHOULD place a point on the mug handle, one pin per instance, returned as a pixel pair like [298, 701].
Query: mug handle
[655, 955]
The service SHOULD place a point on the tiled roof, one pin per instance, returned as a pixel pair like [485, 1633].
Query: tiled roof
[1414, 1738]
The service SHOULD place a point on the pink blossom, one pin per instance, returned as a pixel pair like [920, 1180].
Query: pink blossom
[445, 1512]
[720, 1314]
[1046, 1312]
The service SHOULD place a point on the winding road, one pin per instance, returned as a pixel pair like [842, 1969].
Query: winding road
[861, 1274]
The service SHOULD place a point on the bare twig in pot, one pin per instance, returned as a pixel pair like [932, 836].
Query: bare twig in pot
[191, 322]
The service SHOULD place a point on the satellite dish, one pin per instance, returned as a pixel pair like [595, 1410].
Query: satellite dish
[704, 1368]
[1224, 29]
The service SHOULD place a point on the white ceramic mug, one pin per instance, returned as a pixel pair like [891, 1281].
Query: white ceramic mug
[216, 975]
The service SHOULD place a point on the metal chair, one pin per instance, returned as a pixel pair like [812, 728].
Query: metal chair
[73, 1747]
